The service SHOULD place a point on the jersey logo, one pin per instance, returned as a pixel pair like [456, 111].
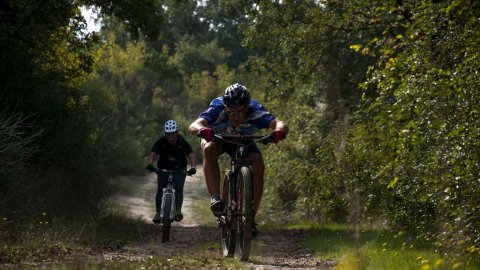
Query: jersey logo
[171, 158]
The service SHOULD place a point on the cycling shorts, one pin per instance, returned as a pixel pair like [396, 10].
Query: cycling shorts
[230, 148]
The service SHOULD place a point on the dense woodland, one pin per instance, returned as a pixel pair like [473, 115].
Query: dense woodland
[381, 98]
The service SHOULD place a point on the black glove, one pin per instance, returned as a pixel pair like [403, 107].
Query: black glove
[150, 168]
[206, 133]
[192, 171]
[278, 135]
[266, 140]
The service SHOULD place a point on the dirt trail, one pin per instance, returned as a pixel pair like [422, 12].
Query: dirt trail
[272, 249]
[141, 205]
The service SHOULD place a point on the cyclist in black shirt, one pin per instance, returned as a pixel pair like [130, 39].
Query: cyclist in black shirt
[172, 151]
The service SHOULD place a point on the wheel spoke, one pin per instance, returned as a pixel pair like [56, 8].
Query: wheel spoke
[167, 201]
[245, 218]
[228, 226]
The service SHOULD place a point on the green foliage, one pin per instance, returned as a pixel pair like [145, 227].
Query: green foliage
[46, 58]
[304, 51]
[292, 189]
[410, 155]
[362, 247]
[140, 18]
[421, 129]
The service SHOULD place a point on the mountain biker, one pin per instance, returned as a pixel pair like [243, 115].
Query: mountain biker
[172, 151]
[234, 113]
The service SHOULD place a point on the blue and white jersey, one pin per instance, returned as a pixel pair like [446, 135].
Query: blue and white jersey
[257, 118]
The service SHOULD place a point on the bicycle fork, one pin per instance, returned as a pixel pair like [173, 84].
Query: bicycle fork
[168, 191]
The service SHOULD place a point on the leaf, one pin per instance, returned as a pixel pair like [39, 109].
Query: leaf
[356, 47]
[392, 183]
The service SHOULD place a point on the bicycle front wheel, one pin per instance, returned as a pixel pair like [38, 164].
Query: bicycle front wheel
[245, 218]
[167, 223]
[227, 227]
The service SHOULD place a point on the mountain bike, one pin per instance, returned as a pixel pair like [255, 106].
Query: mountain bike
[238, 216]
[167, 212]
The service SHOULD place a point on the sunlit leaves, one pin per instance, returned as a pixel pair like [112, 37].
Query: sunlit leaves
[425, 109]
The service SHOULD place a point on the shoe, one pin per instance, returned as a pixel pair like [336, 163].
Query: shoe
[217, 206]
[178, 216]
[156, 219]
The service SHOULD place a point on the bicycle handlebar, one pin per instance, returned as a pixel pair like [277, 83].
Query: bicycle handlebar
[159, 171]
[264, 139]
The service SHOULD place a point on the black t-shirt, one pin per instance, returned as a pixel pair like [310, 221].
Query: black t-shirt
[172, 157]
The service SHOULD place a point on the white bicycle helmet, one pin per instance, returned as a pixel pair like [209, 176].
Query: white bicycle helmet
[171, 126]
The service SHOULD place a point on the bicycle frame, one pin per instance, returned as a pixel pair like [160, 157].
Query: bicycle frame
[240, 160]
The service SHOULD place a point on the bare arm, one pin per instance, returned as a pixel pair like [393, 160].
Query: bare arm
[152, 157]
[196, 126]
[193, 162]
[278, 124]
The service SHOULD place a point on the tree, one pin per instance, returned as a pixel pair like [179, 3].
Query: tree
[420, 121]
[304, 49]
[46, 57]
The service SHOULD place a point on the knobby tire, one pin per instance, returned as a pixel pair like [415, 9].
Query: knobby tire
[245, 220]
[167, 223]
[228, 231]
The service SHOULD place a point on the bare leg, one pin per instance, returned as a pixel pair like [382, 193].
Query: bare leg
[211, 152]
[258, 169]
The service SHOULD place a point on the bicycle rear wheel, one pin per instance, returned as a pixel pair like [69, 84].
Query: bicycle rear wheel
[228, 231]
[167, 223]
[245, 219]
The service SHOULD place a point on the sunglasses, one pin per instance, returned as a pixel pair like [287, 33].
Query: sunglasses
[170, 133]
[240, 111]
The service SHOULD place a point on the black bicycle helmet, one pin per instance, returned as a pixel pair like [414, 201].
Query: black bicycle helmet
[236, 95]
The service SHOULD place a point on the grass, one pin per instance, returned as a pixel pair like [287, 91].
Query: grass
[44, 241]
[40, 239]
[377, 249]
[63, 245]
[47, 242]
[179, 262]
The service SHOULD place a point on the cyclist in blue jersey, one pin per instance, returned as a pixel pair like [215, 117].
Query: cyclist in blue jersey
[234, 113]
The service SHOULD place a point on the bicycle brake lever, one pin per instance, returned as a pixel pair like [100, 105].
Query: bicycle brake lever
[217, 138]
[265, 140]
